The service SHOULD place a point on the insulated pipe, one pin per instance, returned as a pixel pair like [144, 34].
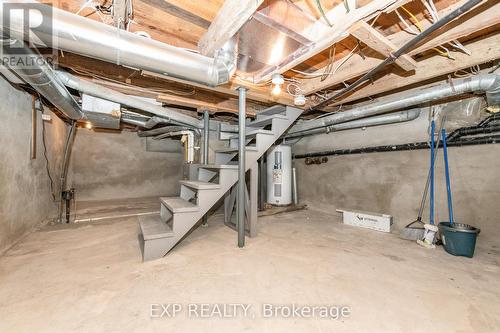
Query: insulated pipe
[99, 91]
[295, 194]
[66, 31]
[489, 83]
[38, 73]
[240, 208]
[397, 117]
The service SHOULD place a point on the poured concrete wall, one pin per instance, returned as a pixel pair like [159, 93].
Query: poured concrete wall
[114, 165]
[25, 195]
[393, 182]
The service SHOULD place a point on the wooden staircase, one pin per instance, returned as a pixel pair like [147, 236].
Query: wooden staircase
[160, 233]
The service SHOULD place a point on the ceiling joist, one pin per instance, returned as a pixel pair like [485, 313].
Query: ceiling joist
[324, 36]
[231, 17]
[480, 18]
[378, 42]
[482, 51]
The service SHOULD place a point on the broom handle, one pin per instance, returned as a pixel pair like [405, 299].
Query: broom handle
[426, 190]
[447, 174]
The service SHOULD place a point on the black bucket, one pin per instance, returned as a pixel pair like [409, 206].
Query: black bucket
[458, 239]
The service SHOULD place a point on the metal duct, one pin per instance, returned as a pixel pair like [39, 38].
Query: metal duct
[10, 76]
[38, 73]
[62, 30]
[489, 83]
[392, 118]
[96, 90]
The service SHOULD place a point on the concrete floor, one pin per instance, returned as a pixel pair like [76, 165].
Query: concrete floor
[90, 278]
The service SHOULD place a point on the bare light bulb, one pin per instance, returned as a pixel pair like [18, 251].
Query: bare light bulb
[88, 125]
[276, 90]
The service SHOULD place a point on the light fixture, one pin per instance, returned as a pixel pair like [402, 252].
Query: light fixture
[88, 125]
[299, 100]
[276, 90]
[277, 79]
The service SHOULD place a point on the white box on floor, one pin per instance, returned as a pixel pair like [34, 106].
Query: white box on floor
[374, 221]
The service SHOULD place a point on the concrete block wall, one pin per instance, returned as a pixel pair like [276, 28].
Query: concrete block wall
[104, 165]
[115, 165]
[393, 182]
[25, 195]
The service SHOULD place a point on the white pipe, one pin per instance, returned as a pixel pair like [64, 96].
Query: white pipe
[488, 83]
[385, 119]
[187, 140]
[65, 31]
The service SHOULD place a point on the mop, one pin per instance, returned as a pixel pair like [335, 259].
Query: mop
[430, 229]
[415, 230]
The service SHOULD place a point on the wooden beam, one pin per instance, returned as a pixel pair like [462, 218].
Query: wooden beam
[205, 9]
[176, 11]
[231, 17]
[194, 103]
[478, 19]
[199, 101]
[482, 51]
[149, 80]
[154, 19]
[323, 36]
[268, 21]
[378, 42]
[256, 93]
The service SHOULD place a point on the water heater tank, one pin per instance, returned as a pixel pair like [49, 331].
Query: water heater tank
[279, 175]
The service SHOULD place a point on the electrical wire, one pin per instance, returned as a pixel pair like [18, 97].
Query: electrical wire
[318, 4]
[394, 55]
[420, 27]
[245, 81]
[329, 66]
[47, 166]
[341, 63]
[141, 89]
[298, 90]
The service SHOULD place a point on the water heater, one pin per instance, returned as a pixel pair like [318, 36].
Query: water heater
[279, 175]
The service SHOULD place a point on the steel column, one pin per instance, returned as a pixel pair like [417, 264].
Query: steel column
[206, 134]
[241, 166]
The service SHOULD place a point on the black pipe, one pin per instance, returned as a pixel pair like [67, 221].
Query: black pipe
[402, 50]
[480, 128]
[475, 131]
[488, 120]
[401, 147]
[64, 167]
